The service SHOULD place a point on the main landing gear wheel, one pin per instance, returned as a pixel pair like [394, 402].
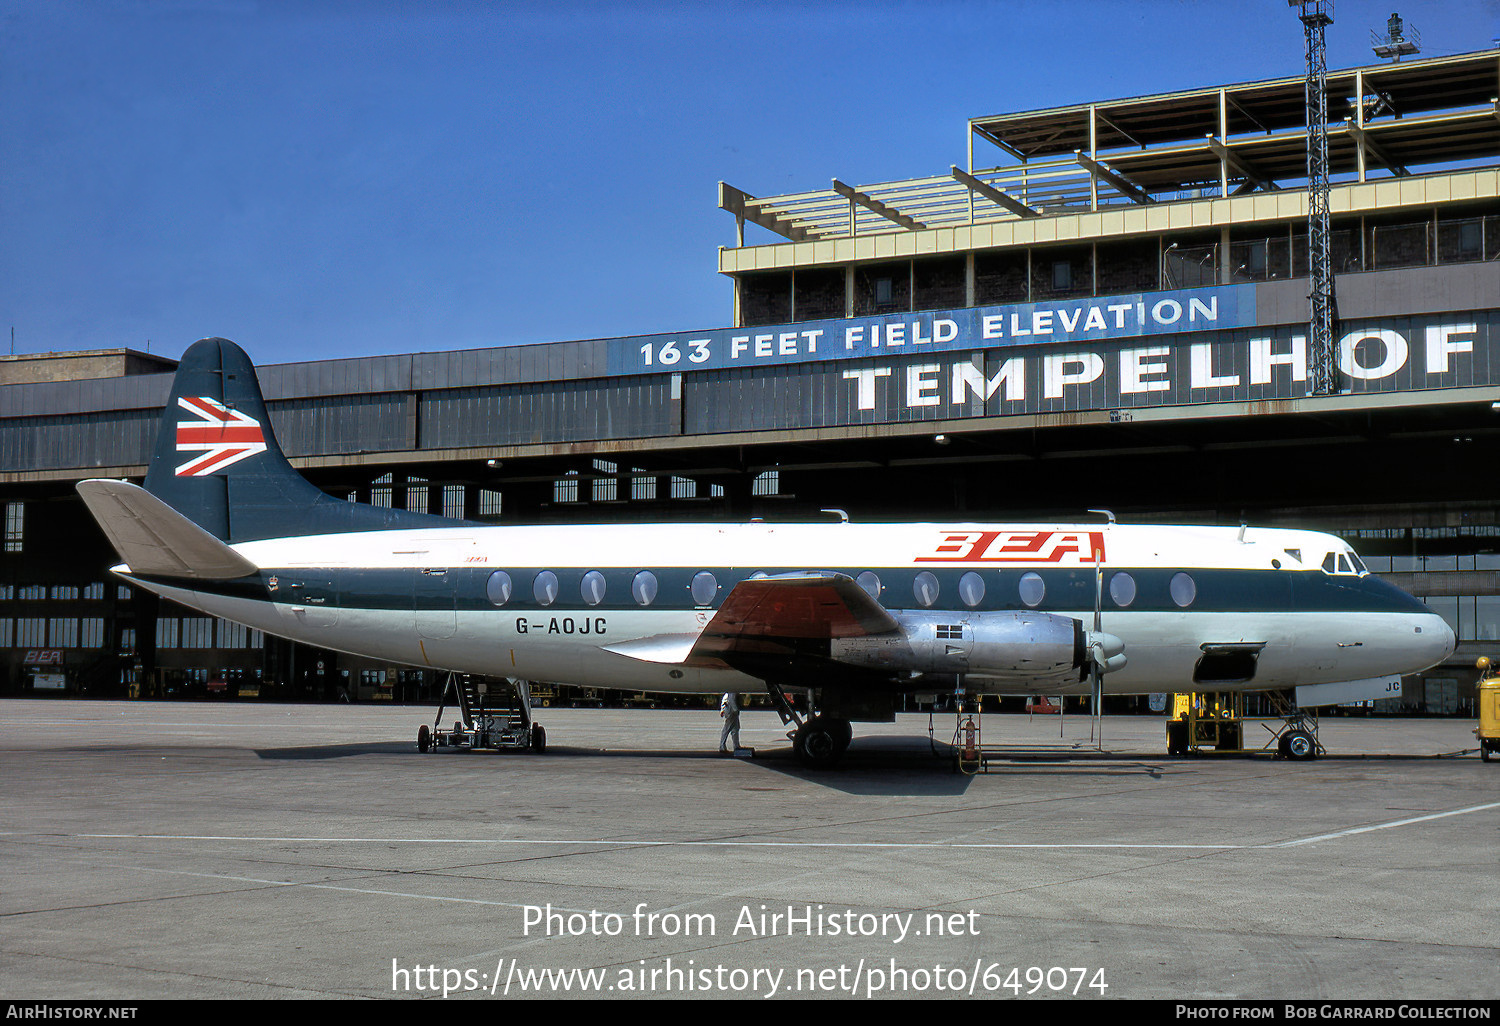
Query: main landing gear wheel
[820, 741]
[1297, 744]
[424, 738]
[538, 739]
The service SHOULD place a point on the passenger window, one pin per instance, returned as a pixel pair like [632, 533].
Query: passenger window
[544, 588]
[971, 589]
[592, 587]
[1184, 589]
[869, 581]
[704, 588]
[497, 588]
[643, 588]
[925, 589]
[1033, 589]
[1122, 589]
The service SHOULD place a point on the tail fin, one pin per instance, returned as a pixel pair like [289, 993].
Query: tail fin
[218, 464]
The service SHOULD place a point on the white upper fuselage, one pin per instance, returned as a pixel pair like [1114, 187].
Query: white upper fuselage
[434, 597]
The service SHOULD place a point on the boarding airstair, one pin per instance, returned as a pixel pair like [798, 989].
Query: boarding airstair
[495, 712]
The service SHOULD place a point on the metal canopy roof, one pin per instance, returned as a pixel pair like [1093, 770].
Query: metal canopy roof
[1441, 110]
[1399, 90]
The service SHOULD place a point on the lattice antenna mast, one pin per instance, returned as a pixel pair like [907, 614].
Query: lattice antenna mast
[1316, 16]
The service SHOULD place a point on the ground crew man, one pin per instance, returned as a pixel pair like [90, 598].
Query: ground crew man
[729, 712]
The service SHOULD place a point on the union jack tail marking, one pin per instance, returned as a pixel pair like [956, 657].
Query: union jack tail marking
[222, 435]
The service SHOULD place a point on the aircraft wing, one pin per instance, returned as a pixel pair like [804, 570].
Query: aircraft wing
[799, 606]
[153, 538]
[767, 614]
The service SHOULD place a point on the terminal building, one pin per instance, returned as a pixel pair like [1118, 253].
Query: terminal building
[1105, 308]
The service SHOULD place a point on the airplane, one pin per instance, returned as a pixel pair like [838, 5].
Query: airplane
[847, 617]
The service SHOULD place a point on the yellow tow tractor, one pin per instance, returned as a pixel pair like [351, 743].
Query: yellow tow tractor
[1206, 721]
[1487, 701]
[1214, 721]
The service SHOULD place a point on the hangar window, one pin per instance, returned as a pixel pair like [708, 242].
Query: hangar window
[453, 501]
[544, 588]
[1033, 589]
[14, 524]
[497, 589]
[381, 492]
[643, 588]
[1122, 589]
[925, 588]
[1184, 589]
[31, 632]
[592, 587]
[704, 588]
[417, 494]
[971, 589]
[870, 581]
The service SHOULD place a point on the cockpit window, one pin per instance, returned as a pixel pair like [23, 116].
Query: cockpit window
[1345, 563]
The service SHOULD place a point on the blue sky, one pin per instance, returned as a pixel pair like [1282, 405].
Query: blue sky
[318, 179]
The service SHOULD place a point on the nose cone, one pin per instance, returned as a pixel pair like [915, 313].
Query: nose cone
[1449, 640]
[1437, 640]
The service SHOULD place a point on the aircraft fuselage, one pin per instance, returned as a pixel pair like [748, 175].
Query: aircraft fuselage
[555, 603]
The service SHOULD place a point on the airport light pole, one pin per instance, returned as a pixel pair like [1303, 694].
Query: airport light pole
[1316, 16]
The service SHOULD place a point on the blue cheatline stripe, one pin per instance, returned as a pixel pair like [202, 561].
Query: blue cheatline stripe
[464, 589]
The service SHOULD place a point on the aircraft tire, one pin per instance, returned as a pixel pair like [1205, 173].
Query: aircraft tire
[538, 739]
[1300, 746]
[843, 731]
[817, 744]
[424, 738]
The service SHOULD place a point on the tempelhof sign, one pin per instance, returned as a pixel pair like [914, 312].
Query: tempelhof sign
[1107, 353]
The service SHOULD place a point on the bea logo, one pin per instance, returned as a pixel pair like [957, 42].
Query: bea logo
[1074, 548]
[223, 436]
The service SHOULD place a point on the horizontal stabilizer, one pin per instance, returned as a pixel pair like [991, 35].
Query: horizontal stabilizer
[153, 538]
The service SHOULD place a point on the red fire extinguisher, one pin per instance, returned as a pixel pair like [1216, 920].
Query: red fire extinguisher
[971, 750]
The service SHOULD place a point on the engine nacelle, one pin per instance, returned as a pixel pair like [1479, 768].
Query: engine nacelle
[1020, 645]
